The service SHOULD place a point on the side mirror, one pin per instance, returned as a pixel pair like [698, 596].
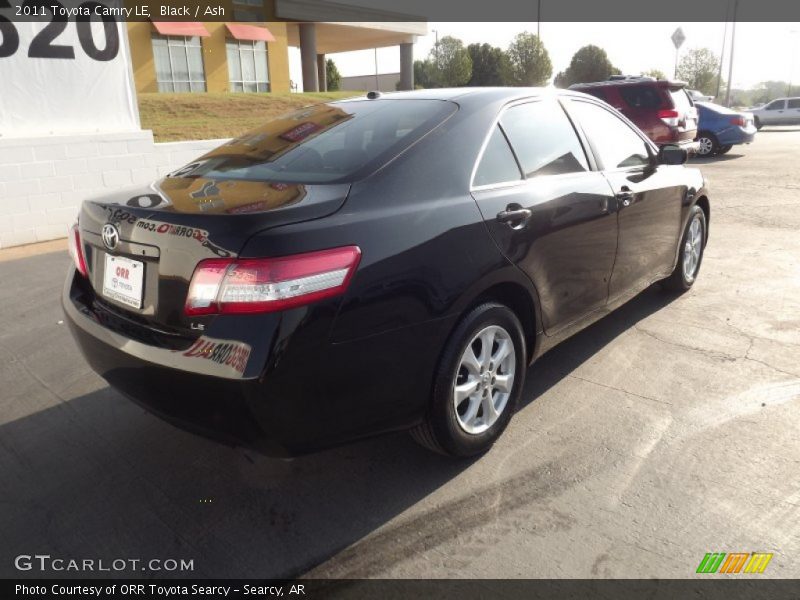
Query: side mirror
[672, 155]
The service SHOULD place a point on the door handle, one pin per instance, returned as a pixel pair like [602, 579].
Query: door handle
[625, 196]
[514, 216]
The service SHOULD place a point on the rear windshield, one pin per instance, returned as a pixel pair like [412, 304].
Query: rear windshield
[324, 143]
[681, 99]
[641, 96]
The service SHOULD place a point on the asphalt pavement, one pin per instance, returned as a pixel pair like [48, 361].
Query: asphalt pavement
[665, 431]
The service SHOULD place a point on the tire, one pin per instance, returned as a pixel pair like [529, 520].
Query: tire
[708, 144]
[757, 123]
[687, 269]
[724, 149]
[467, 428]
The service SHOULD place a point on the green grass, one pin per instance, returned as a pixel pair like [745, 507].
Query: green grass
[177, 117]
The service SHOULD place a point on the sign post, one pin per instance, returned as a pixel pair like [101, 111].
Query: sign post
[678, 37]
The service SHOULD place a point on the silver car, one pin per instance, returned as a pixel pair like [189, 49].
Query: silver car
[783, 111]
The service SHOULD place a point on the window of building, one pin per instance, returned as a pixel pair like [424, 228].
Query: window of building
[179, 64]
[247, 66]
[543, 139]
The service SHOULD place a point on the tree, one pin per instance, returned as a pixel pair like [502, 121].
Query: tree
[423, 74]
[699, 67]
[332, 76]
[529, 60]
[452, 65]
[490, 65]
[656, 73]
[589, 63]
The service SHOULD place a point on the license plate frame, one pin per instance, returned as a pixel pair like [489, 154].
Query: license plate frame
[123, 280]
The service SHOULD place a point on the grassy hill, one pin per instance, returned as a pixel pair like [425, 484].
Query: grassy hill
[176, 117]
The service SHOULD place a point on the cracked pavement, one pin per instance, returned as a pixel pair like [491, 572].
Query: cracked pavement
[667, 430]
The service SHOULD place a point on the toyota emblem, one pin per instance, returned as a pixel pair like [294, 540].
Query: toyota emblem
[110, 236]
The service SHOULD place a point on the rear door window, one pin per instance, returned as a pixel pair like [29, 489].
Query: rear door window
[794, 103]
[776, 105]
[543, 139]
[497, 164]
[641, 96]
[326, 143]
[615, 144]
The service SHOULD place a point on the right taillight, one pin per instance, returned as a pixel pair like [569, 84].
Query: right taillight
[76, 250]
[259, 285]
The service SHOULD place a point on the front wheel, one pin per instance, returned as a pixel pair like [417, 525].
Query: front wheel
[693, 244]
[477, 384]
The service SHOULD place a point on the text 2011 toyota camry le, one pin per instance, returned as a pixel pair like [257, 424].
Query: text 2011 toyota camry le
[385, 263]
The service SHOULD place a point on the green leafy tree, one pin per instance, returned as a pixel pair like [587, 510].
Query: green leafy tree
[658, 74]
[529, 60]
[699, 68]
[332, 76]
[423, 74]
[452, 65]
[588, 64]
[490, 65]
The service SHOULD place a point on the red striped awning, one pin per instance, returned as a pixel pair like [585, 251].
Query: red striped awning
[253, 33]
[185, 28]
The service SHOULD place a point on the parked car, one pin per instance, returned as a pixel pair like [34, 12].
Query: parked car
[783, 111]
[662, 109]
[698, 96]
[385, 263]
[721, 128]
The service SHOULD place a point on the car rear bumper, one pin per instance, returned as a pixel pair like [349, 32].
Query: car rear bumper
[298, 392]
[736, 135]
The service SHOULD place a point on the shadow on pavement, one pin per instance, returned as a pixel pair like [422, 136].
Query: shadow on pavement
[97, 477]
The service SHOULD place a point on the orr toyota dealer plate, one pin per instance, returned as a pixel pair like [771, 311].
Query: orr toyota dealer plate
[122, 280]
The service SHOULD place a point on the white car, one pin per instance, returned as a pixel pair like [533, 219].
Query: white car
[699, 96]
[783, 111]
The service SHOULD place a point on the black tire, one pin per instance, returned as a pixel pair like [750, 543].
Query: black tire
[708, 144]
[724, 149]
[441, 430]
[757, 123]
[678, 281]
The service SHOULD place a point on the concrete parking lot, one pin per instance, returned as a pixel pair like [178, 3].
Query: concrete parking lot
[667, 430]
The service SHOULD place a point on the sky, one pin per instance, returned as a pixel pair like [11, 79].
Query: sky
[763, 51]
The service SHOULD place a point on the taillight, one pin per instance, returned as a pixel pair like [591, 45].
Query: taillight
[670, 117]
[258, 285]
[740, 121]
[76, 250]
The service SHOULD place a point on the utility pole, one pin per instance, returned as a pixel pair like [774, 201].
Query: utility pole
[733, 46]
[539, 19]
[792, 32]
[722, 54]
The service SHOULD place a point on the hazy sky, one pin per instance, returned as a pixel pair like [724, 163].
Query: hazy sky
[763, 51]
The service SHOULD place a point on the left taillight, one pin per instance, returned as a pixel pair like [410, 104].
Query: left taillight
[76, 250]
[740, 121]
[259, 285]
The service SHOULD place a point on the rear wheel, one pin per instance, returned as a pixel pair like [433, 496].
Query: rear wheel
[724, 149]
[707, 144]
[693, 244]
[477, 384]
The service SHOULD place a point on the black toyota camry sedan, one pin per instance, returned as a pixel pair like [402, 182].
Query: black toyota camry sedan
[384, 263]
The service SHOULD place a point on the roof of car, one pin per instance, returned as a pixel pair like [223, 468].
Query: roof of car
[471, 93]
[630, 81]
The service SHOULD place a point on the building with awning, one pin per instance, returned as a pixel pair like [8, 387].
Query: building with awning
[250, 53]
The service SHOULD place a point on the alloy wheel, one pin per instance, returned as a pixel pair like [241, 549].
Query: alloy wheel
[484, 379]
[692, 249]
[706, 146]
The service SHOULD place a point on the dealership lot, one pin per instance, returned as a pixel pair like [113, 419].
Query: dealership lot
[663, 432]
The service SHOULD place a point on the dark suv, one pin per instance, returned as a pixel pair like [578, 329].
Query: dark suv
[662, 109]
